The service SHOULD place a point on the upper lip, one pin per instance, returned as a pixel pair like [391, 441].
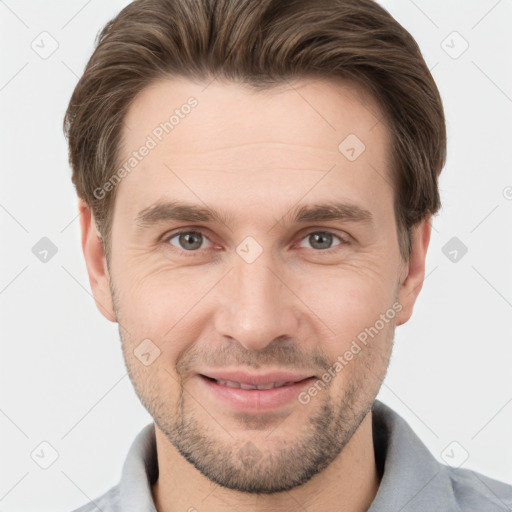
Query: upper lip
[256, 380]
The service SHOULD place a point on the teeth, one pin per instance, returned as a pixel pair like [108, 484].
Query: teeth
[228, 383]
[241, 385]
[247, 386]
[264, 386]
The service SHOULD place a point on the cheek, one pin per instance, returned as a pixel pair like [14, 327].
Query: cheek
[355, 328]
[161, 305]
[348, 298]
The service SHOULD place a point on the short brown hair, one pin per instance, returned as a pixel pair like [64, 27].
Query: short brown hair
[261, 43]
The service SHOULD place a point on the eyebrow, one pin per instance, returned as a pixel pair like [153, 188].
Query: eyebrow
[166, 211]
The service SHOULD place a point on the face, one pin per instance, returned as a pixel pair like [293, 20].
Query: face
[297, 270]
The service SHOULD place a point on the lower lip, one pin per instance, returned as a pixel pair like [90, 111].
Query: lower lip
[256, 400]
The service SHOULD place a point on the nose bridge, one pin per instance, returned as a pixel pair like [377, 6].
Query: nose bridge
[258, 307]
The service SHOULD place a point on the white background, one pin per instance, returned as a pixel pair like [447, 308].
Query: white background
[63, 379]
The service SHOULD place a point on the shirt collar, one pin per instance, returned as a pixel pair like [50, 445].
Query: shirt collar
[140, 471]
[412, 478]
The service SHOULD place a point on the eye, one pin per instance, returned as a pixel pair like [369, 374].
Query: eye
[322, 240]
[189, 241]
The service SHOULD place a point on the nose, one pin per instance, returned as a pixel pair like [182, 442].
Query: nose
[256, 305]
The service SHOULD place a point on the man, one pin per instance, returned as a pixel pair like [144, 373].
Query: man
[296, 147]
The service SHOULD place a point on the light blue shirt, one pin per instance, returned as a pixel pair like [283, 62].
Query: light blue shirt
[412, 479]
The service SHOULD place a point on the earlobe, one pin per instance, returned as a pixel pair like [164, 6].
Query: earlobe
[411, 281]
[95, 261]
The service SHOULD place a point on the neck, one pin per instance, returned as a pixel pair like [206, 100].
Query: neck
[348, 484]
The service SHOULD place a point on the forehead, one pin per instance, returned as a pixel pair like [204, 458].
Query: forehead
[206, 138]
[309, 111]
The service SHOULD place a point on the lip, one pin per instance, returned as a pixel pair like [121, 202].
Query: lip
[254, 379]
[256, 400]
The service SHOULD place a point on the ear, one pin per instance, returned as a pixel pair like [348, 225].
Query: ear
[96, 262]
[413, 271]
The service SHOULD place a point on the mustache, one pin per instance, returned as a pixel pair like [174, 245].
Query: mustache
[284, 355]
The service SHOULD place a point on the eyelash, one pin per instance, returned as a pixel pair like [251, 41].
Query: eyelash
[181, 252]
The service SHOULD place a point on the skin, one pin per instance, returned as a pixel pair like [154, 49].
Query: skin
[256, 155]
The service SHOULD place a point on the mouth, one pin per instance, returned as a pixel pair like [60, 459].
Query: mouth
[254, 393]
[248, 386]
